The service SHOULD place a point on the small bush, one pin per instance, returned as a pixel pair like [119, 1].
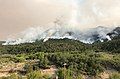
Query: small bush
[115, 76]
[34, 75]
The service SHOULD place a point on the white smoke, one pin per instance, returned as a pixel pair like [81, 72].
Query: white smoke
[28, 36]
[37, 33]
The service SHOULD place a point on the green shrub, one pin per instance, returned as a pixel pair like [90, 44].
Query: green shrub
[34, 75]
[28, 67]
[115, 76]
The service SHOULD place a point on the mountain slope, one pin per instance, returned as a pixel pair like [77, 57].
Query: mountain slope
[52, 45]
[113, 45]
[62, 45]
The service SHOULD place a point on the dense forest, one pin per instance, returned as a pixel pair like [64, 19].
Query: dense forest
[53, 45]
[62, 45]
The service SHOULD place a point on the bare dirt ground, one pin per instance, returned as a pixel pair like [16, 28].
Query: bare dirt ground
[4, 71]
[50, 71]
[5, 74]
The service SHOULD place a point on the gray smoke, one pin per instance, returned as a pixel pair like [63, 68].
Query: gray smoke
[60, 32]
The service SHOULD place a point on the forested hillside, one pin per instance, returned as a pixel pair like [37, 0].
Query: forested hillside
[66, 45]
[52, 45]
[112, 46]
[80, 58]
[63, 45]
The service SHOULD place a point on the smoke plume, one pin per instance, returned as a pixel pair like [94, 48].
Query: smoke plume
[37, 33]
[69, 29]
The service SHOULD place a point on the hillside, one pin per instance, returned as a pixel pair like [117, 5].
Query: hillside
[81, 60]
[63, 45]
[112, 46]
[52, 45]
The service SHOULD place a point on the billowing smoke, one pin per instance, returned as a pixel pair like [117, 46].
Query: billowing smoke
[62, 30]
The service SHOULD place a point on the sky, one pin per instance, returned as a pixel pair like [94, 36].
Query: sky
[18, 15]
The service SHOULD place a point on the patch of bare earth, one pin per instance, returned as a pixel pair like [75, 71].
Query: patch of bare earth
[4, 71]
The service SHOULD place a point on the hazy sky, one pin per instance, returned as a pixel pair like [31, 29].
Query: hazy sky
[17, 15]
